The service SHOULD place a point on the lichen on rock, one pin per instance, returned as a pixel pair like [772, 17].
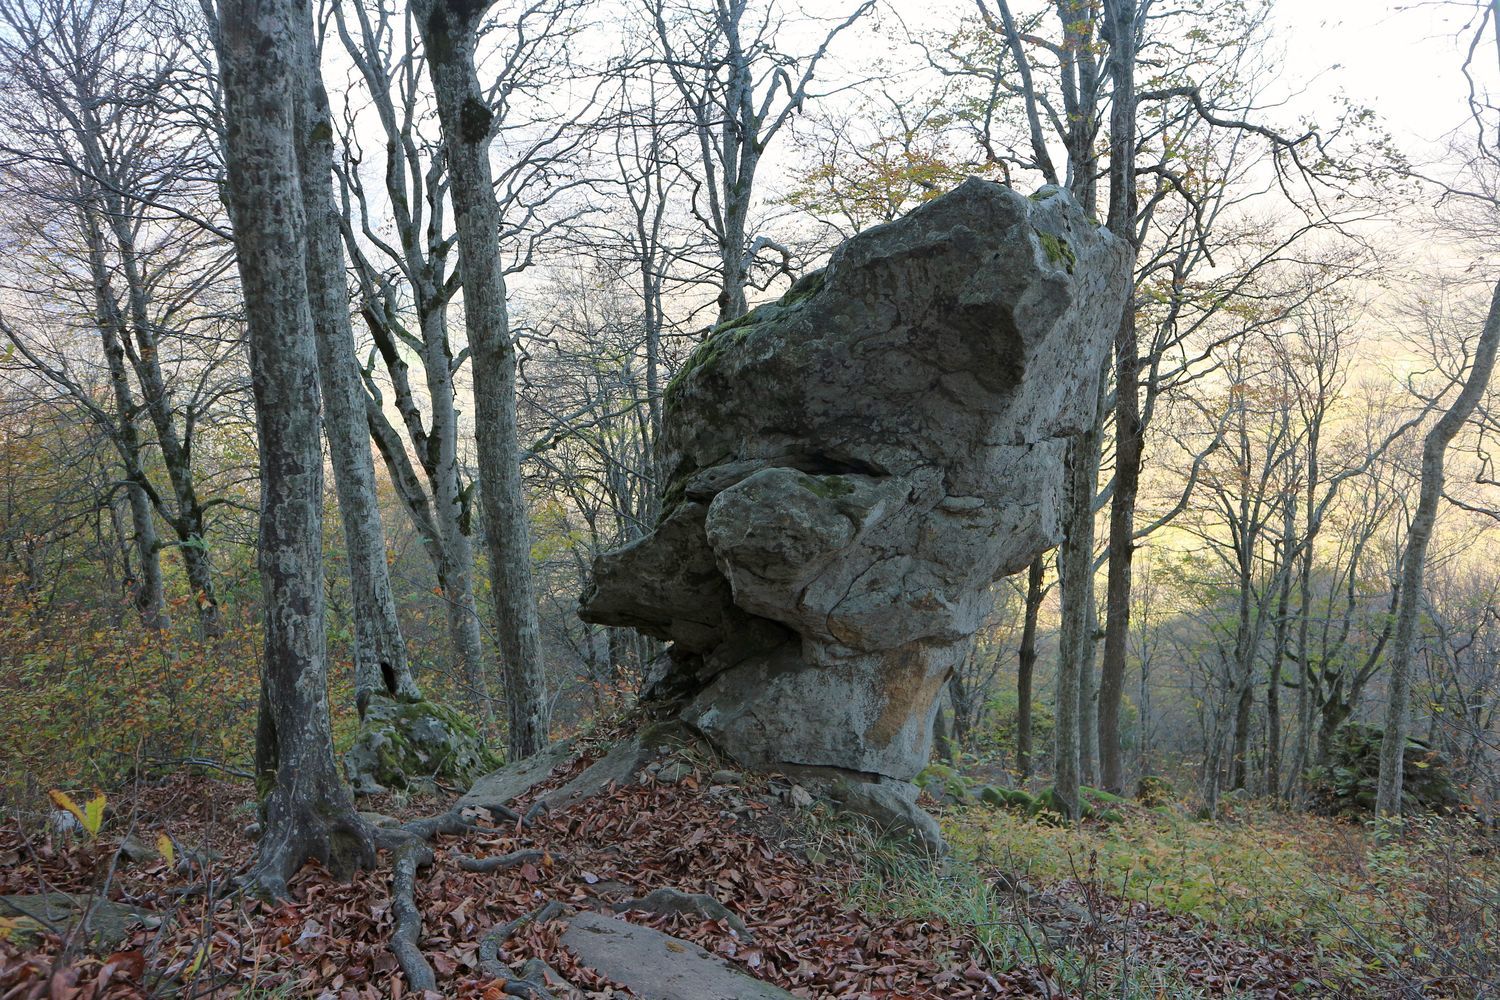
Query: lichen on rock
[411, 744]
[850, 469]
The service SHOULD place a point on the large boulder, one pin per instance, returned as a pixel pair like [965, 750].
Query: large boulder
[411, 744]
[1349, 784]
[852, 467]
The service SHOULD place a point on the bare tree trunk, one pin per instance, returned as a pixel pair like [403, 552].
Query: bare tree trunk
[449, 31]
[307, 810]
[1075, 575]
[148, 595]
[1129, 430]
[1414, 559]
[380, 661]
[1026, 666]
[1088, 692]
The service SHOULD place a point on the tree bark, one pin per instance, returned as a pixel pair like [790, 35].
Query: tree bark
[1129, 430]
[308, 813]
[1026, 666]
[449, 31]
[1414, 559]
[380, 661]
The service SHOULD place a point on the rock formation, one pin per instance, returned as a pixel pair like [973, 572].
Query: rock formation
[851, 468]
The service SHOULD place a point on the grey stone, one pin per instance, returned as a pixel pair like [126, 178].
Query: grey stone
[106, 923]
[657, 966]
[854, 466]
[405, 744]
[674, 771]
[514, 780]
[621, 765]
[136, 851]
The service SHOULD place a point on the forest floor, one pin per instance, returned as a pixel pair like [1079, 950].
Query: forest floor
[1258, 905]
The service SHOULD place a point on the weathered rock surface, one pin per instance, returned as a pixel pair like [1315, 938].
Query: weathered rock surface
[657, 966]
[500, 788]
[106, 923]
[407, 744]
[853, 466]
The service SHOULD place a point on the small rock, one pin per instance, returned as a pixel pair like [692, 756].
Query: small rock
[800, 797]
[672, 773]
[196, 857]
[136, 851]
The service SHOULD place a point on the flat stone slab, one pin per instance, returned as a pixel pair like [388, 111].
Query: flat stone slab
[108, 922]
[657, 966]
[512, 781]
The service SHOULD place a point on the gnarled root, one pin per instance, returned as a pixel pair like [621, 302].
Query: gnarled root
[495, 938]
[298, 831]
[673, 901]
[410, 855]
[512, 860]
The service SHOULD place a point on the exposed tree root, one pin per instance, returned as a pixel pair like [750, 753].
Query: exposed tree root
[494, 940]
[512, 860]
[670, 901]
[539, 981]
[297, 832]
[410, 855]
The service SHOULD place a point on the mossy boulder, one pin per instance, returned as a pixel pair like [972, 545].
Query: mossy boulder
[412, 745]
[1348, 785]
[847, 472]
[1097, 804]
[944, 783]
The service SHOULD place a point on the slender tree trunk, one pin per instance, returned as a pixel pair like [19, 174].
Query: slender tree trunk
[308, 812]
[1075, 576]
[380, 661]
[449, 31]
[1075, 568]
[1088, 694]
[1414, 559]
[148, 596]
[1026, 666]
[456, 564]
[1129, 431]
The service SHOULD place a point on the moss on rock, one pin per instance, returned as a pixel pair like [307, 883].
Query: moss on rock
[407, 744]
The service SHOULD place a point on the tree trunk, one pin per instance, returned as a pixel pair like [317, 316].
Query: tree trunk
[1026, 666]
[1075, 568]
[1129, 431]
[1088, 692]
[308, 812]
[1075, 576]
[380, 661]
[449, 31]
[1414, 559]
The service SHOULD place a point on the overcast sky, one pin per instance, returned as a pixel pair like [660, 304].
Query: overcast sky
[1402, 59]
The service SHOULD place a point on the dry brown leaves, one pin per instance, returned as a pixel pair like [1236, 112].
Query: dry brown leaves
[330, 939]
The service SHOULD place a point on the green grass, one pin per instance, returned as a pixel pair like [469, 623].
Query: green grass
[1424, 909]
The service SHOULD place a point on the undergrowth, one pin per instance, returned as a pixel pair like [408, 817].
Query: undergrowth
[1419, 913]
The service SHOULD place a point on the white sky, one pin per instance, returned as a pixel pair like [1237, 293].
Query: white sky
[1402, 59]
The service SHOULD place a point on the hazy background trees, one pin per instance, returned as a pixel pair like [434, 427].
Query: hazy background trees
[540, 209]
